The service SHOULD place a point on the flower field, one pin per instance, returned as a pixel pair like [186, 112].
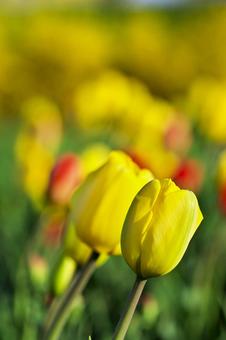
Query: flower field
[113, 171]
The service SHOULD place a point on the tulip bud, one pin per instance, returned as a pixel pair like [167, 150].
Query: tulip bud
[64, 274]
[65, 177]
[101, 203]
[158, 228]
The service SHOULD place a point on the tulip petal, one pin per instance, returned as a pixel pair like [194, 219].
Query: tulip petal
[111, 212]
[137, 220]
[158, 227]
[101, 203]
[175, 220]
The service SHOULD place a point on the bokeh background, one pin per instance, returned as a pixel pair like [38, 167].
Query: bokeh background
[87, 77]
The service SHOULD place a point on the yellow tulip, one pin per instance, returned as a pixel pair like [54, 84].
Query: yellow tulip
[112, 100]
[94, 156]
[43, 120]
[158, 228]
[77, 250]
[150, 139]
[208, 104]
[101, 203]
[74, 247]
[36, 163]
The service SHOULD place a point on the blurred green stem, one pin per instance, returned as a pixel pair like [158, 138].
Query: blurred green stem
[63, 309]
[129, 309]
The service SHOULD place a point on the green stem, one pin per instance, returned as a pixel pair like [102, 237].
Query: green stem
[129, 309]
[65, 305]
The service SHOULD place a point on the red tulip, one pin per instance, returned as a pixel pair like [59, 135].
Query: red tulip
[178, 136]
[190, 175]
[65, 177]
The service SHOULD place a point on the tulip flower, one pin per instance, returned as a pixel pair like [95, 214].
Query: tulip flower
[190, 175]
[94, 156]
[209, 113]
[77, 250]
[101, 101]
[35, 162]
[178, 136]
[158, 228]
[103, 200]
[43, 118]
[74, 247]
[64, 178]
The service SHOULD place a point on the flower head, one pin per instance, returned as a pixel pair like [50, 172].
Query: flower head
[158, 228]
